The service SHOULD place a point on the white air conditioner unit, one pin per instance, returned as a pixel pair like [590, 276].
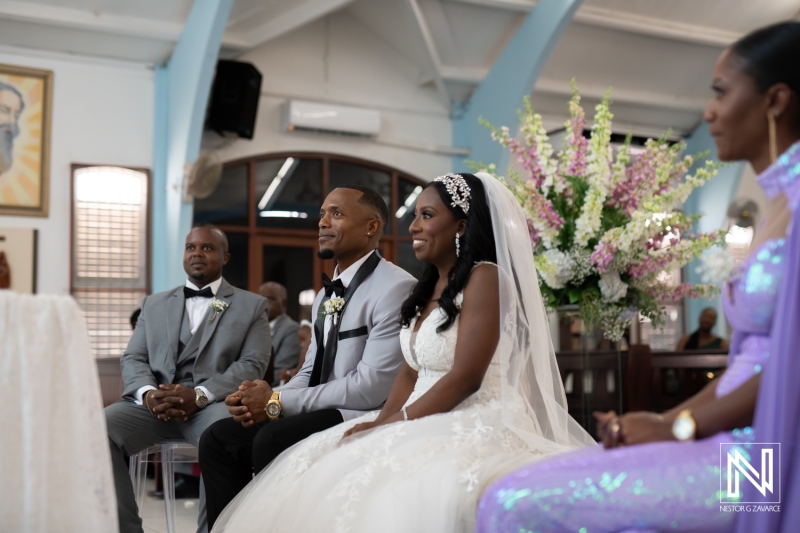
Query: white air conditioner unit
[330, 118]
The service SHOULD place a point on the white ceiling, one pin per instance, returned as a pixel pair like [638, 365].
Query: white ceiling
[657, 55]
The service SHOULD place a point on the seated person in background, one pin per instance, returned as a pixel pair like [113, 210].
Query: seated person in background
[282, 327]
[192, 346]
[703, 338]
[135, 317]
[304, 336]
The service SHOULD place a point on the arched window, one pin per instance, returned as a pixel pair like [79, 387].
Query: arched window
[268, 206]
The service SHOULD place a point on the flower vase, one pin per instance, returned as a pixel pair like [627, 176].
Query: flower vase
[599, 357]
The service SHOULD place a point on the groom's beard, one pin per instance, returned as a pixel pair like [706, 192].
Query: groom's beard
[325, 253]
[7, 134]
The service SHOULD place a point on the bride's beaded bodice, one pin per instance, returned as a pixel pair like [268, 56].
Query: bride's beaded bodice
[433, 355]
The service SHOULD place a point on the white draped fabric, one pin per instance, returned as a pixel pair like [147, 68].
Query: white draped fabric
[55, 466]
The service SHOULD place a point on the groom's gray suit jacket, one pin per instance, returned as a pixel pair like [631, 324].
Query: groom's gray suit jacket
[368, 356]
[233, 348]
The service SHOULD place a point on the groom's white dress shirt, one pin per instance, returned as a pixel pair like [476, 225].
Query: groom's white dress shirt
[196, 310]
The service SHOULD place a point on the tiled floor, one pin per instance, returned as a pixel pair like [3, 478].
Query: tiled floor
[154, 517]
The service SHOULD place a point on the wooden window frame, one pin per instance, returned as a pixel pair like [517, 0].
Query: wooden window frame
[148, 236]
[389, 242]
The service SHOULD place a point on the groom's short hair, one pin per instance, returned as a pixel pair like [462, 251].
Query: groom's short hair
[372, 199]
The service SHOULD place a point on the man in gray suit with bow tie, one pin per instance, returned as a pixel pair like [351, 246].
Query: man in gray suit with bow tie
[192, 347]
[350, 365]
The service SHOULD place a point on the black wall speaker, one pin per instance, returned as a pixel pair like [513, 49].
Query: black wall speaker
[234, 98]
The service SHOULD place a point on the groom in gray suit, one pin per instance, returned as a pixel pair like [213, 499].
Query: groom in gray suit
[349, 368]
[192, 347]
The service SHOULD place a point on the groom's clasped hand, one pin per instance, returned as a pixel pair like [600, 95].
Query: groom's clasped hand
[248, 405]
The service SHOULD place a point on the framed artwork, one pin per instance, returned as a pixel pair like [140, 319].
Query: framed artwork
[18, 260]
[26, 97]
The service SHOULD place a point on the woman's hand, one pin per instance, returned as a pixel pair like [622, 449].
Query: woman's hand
[632, 428]
[608, 428]
[358, 428]
[642, 427]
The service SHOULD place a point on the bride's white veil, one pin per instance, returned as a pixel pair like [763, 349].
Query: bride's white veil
[528, 362]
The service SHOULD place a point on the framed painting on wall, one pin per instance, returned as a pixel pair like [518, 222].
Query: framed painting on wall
[18, 260]
[26, 97]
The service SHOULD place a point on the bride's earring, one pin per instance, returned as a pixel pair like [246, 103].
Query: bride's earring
[773, 137]
[458, 246]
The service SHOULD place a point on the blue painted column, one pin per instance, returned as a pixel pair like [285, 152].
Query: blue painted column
[713, 200]
[182, 88]
[512, 77]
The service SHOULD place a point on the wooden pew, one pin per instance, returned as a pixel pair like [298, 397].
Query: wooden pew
[111, 384]
[650, 381]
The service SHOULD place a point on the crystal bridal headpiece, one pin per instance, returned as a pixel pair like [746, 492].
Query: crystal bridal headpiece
[458, 189]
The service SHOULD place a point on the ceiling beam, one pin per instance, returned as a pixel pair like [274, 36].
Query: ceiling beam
[65, 17]
[562, 88]
[665, 29]
[473, 75]
[510, 5]
[622, 95]
[628, 22]
[301, 14]
[433, 53]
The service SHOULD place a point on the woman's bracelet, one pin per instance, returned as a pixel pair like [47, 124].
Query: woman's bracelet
[145, 401]
[405, 413]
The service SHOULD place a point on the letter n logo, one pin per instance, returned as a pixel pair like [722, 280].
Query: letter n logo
[754, 462]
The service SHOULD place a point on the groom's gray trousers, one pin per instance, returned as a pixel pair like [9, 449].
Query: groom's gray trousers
[131, 429]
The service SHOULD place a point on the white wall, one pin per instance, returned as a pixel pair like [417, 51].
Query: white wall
[102, 114]
[339, 60]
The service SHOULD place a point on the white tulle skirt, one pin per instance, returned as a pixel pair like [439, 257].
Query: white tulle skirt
[416, 476]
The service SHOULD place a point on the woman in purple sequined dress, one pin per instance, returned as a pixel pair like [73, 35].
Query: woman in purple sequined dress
[648, 481]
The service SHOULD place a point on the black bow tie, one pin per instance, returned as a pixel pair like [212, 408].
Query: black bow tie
[204, 293]
[331, 286]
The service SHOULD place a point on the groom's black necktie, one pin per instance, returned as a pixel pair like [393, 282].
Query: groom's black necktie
[326, 351]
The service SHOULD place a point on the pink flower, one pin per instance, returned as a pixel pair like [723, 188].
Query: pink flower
[684, 290]
[603, 255]
[533, 233]
[626, 195]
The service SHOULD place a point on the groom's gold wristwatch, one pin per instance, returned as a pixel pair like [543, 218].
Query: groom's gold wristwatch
[274, 406]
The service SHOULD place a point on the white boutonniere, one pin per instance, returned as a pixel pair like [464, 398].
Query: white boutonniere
[217, 306]
[332, 307]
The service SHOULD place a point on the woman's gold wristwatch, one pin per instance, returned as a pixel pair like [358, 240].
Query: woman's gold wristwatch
[684, 428]
[274, 406]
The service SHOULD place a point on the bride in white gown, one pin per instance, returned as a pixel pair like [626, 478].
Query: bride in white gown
[479, 395]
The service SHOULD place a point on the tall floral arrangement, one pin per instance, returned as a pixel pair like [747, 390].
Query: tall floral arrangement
[606, 229]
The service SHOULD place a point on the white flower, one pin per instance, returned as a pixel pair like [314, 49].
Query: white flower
[583, 263]
[716, 266]
[331, 307]
[555, 267]
[217, 306]
[612, 288]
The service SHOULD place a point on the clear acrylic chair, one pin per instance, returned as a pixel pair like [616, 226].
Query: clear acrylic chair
[170, 452]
